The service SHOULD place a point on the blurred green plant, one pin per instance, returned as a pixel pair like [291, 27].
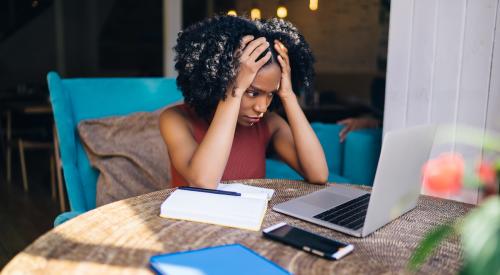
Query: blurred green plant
[479, 230]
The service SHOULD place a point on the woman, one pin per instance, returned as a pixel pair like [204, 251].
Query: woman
[230, 70]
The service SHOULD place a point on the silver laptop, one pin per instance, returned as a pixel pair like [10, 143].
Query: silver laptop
[395, 190]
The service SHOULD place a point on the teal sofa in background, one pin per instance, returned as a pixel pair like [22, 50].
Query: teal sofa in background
[74, 100]
[352, 161]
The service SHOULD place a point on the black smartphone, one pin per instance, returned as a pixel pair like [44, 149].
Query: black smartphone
[308, 241]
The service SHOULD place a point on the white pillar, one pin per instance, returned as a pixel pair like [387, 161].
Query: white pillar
[172, 24]
[443, 67]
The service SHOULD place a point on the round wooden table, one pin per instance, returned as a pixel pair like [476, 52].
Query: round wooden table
[120, 237]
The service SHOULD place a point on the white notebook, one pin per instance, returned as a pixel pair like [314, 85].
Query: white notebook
[247, 190]
[245, 212]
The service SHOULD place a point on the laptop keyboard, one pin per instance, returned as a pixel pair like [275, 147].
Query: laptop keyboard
[350, 214]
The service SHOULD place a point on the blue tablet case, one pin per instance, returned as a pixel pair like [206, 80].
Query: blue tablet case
[224, 259]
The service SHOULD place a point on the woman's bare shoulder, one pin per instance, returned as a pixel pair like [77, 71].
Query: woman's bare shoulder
[175, 111]
[274, 121]
[175, 115]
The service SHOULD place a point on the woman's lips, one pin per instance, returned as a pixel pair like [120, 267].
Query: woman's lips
[252, 119]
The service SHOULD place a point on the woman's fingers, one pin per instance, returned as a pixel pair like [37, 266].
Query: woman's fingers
[349, 125]
[263, 60]
[283, 64]
[280, 47]
[245, 40]
[259, 50]
[343, 133]
[252, 46]
[345, 121]
[282, 51]
[243, 43]
[285, 67]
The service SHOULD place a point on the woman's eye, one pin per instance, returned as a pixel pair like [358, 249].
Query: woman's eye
[252, 93]
[270, 95]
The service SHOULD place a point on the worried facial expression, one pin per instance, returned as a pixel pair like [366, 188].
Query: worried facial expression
[259, 95]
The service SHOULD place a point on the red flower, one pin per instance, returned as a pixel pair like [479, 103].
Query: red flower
[486, 173]
[444, 174]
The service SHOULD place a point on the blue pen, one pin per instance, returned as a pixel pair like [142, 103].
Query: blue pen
[213, 191]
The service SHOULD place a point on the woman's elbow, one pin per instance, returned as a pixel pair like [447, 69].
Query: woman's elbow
[203, 182]
[318, 178]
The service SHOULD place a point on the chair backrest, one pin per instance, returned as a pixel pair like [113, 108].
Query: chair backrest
[328, 136]
[74, 100]
[361, 154]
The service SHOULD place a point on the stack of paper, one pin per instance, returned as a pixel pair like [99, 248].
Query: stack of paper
[246, 211]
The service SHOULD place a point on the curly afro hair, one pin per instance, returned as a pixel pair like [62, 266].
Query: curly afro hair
[207, 62]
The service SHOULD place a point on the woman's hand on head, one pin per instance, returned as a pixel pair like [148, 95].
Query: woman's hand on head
[285, 89]
[248, 53]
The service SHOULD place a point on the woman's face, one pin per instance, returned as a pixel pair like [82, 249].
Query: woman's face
[259, 95]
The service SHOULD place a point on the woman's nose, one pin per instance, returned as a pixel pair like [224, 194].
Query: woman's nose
[260, 106]
[260, 109]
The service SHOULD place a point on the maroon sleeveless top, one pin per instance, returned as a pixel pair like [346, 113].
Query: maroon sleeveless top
[247, 159]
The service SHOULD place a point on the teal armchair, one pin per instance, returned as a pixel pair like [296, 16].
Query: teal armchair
[352, 161]
[77, 99]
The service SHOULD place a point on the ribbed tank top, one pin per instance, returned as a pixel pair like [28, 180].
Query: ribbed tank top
[248, 151]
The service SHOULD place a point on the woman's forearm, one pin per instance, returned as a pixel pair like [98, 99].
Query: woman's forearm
[208, 162]
[309, 150]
